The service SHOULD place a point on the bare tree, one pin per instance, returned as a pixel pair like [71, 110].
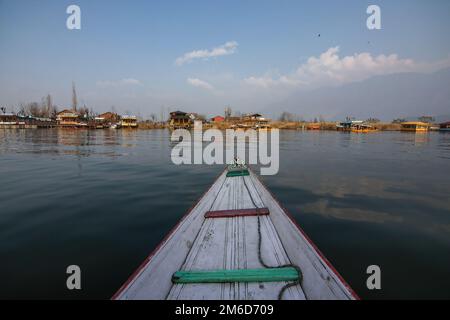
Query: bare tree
[373, 120]
[227, 112]
[286, 117]
[74, 97]
[49, 105]
[426, 119]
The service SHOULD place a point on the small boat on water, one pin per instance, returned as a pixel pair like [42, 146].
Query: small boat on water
[236, 243]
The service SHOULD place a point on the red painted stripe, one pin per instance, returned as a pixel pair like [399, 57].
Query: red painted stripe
[165, 239]
[237, 213]
[321, 255]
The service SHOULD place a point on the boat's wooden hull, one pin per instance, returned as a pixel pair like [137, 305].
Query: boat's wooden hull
[414, 130]
[363, 131]
[229, 243]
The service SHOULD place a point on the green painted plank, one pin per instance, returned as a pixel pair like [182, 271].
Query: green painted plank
[247, 275]
[238, 173]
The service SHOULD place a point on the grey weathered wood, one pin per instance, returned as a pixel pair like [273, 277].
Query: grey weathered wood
[232, 243]
[320, 281]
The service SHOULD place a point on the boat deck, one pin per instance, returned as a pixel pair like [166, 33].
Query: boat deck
[230, 243]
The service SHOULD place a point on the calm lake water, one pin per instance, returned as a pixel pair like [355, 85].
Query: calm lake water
[104, 199]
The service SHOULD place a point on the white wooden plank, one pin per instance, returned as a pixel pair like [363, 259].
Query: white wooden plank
[153, 281]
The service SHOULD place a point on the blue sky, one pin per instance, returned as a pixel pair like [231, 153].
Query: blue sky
[125, 53]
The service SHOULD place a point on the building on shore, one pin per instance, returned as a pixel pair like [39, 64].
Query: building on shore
[415, 126]
[128, 121]
[217, 119]
[254, 120]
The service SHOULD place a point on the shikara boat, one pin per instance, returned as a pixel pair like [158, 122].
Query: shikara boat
[236, 243]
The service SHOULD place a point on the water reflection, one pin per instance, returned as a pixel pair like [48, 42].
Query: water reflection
[66, 195]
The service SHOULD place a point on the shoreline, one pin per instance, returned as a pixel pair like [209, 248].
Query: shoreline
[304, 126]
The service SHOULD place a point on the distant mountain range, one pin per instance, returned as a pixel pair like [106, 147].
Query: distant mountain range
[403, 95]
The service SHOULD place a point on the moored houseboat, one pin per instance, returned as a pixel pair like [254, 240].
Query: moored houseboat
[128, 121]
[180, 120]
[69, 119]
[11, 120]
[236, 243]
[444, 127]
[415, 126]
[363, 128]
[110, 119]
[347, 126]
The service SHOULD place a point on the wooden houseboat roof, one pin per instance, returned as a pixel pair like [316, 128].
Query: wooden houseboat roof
[128, 117]
[7, 115]
[108, 115]
[235, 226]
[415, 123]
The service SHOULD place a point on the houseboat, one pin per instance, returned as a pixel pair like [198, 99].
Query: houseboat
[362, 128]
[444, 127]
[180, 120]
[348, 125]
[108, 120]
[69, 119]
[11, 120]
[99, 123]
[415, 126]
[128, 121]
[236, 243]
[255, 121]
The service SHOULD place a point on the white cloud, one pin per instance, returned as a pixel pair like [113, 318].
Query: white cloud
[200, 84]
[330, 69]
[223, 50]
[123, 82]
